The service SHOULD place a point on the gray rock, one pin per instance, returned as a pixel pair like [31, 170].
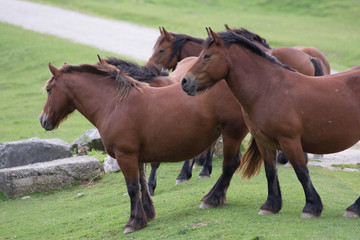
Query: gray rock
[20, 153]
[110, 165]
[91, 138]
[219, 147]
[45, 176]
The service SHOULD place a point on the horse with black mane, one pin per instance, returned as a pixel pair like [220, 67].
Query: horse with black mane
[278, 105]
[127, 113]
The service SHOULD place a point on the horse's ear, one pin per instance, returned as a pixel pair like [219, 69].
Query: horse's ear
[228, 28]
[215, 37]
[208, 32]
[54, 71]
[161, 31]
[168, 36]
[102, 61]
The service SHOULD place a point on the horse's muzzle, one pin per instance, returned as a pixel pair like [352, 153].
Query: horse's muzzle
[189, 85]
[45, 122]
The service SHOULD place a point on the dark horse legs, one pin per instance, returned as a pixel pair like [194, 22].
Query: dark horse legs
[353, 210]
[152, 178]
[141, 206]
[217, 195]
[293, 150]
[186, 171]
[206, 157]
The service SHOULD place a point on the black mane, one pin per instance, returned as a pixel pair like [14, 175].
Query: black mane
[251, 36]
[123, 80]
[140, 73]
[179, 41]
[230, 37]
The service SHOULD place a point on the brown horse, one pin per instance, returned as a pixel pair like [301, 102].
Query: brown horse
[153, 75]
[171, 48]
[278, 106]
[306, 60]
[127, 113]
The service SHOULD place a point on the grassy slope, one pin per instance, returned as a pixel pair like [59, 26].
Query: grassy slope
[104, 209]
[24, 72]
[330, 25]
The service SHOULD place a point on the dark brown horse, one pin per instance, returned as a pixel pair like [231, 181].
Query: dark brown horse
[127, 113]
[278, 106]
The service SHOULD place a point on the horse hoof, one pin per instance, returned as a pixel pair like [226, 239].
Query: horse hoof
[128, 230]
[204, 206]
[308, 215]
[180, 181]
[203, 176]
[350, 214]
[265, 212]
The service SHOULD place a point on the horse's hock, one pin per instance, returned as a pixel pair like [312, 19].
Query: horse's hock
[39, 177]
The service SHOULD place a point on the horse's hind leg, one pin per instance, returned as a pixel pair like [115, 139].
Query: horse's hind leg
[217, 195]
[273, 203]
[152, 178]
[207, 168]
[293, 149]
[186, 171]
[145, 195]
[353, 210]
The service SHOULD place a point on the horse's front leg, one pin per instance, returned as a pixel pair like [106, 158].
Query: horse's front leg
[293, 150]
[129, 167]
[217, 195]
[273, 202]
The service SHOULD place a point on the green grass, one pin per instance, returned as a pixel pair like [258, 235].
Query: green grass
[23, 73]
[354, 166]
[103, 210]
[330, 25]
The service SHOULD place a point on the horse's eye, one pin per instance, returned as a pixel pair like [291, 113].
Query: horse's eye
[162, 51]
[48, 90]
[207, 56]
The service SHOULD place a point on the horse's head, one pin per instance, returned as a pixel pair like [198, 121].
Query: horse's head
[57, 105]
[162, 51]
[211, 66]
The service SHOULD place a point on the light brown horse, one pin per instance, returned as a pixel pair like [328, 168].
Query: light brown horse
[283, 110]
[127, 114]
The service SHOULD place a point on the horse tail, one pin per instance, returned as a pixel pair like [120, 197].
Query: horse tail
[318, 69]
[252, 160]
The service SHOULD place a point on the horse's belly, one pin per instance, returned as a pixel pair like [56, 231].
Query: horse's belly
[175, 150]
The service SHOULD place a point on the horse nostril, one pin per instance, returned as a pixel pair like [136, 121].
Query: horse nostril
[184, 81]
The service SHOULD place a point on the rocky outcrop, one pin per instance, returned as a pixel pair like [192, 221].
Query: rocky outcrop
[20, 153]
[39, 177]
[91, 138]
[110, 165]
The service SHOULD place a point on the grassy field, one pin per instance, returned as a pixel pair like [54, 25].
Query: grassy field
[23, 73]
[103, 210]
[331, 25]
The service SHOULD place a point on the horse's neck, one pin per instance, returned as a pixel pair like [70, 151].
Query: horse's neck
[91, 96]
[190, 49]
[252, 76]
